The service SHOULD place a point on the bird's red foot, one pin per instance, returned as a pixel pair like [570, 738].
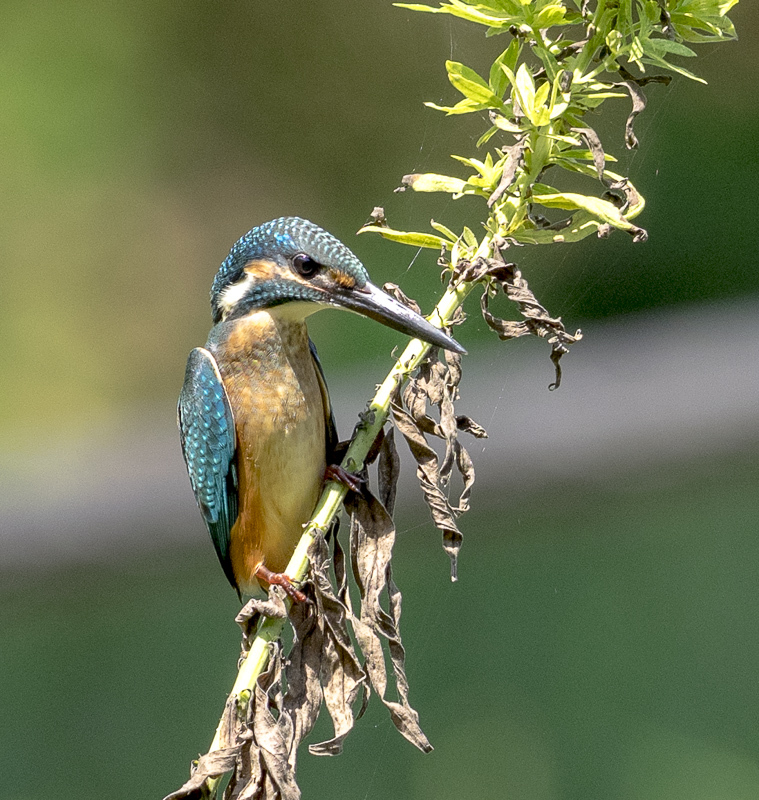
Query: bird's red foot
[280, 579]
[335, 472]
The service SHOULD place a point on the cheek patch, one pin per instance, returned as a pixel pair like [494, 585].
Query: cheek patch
[263, 270]
[254, 272]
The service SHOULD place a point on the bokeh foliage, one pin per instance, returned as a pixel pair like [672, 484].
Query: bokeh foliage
[583, 52]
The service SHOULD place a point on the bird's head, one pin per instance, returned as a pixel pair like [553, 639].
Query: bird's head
[292, 261]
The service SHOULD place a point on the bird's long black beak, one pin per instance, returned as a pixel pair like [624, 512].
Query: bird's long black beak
[370, 301]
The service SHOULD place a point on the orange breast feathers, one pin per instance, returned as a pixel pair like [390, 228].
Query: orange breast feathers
[277, 402]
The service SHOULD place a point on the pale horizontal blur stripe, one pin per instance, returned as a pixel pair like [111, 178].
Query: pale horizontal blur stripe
[638, 393]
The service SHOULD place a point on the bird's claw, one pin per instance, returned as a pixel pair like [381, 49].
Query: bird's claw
[335, 472]
[280, 579]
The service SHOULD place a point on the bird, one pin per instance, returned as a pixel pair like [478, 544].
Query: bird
[256, 425]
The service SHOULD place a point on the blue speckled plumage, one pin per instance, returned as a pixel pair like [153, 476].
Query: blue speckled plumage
[281, 239]
[207, 432]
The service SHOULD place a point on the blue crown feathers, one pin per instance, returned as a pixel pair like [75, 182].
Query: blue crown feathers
[285, 237]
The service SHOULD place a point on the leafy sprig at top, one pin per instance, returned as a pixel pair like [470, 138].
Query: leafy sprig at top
[564, 60]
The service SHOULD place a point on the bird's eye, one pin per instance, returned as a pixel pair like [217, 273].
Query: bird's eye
[305, 265]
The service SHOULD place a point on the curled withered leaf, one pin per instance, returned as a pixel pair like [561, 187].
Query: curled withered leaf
[395, 291]
[250, 614]
[593, 142]
[211, 765]
[622, 187]
[513, 162]
[428, 473]
[372, 538]
[303, 672]
[377, 217]
[465, 466]
[436, 383]
[468, 425]
[638, 105]
[264, 771]
[536, 321]
[388, 471]
[604, 231]
[633, 86]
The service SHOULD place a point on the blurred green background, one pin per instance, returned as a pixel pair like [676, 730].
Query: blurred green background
[603, 641]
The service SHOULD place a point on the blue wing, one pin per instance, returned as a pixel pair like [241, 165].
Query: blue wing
[207, 432]
[329, 416]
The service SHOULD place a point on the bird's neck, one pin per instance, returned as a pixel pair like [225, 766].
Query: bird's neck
[266, 337]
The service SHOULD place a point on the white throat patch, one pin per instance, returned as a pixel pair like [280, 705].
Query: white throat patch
[234, 293]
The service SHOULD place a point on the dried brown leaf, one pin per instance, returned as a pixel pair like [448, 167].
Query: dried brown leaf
[623, 187]
[263, 771]
[250, 614]
[273, 734]
[341, 675]
[395, 291]
[468, 425]
[536, 321]
[593, 142]
[388, 471]
[633, 86]
[303, 698]
[513, 162]
[429, 479]
[372, 538]
[211, 765]
[465, 466]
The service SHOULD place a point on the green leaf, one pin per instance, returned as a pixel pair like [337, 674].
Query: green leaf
[447, 232]
[464, 11]
[419, 7]
[635, 51]
[505, 124]
[706, 8]
[489, 175]
[541, 95]
[431, 182]
[487, 136]
[469, 238]
[581, 225]
[549, 16]
[548, 59]
[601, 209]
[585, 169]
[660, 62]
[661, 47]
[703, 21]
[524, 87]
[565, 139]
[583, 155]
[615, 41]
[499, 81]
[406, 237]
[462, 107]
[471, 85]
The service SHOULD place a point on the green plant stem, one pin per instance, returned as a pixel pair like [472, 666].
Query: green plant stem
[332, 497]
[595, 41]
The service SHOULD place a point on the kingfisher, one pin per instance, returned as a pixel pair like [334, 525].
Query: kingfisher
[256, 425]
